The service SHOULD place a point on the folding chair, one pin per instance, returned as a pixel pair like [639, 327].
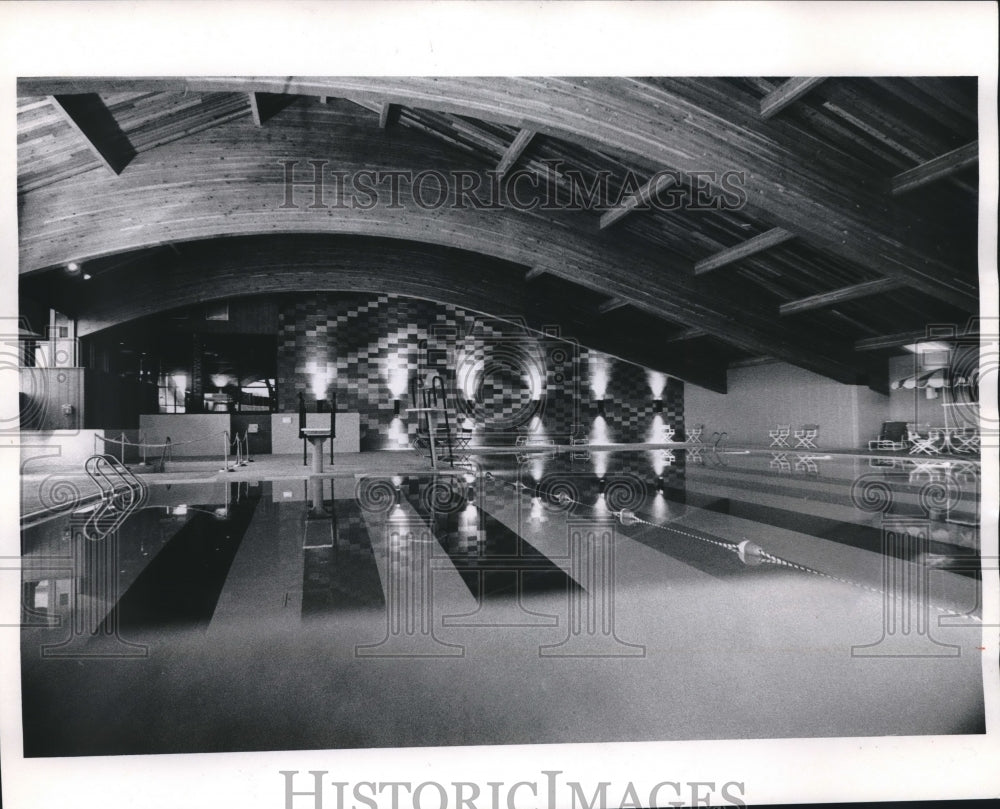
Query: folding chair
[779, 435]
[966, 440]
[694, 434]
[668, 433]
[941, 438]
[921, 444]
[806, 436]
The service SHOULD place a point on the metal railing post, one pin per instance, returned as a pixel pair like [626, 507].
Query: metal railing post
[225, 452]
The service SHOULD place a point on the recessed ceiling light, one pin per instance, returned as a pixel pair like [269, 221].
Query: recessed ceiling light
[87, 276]
[72, 266]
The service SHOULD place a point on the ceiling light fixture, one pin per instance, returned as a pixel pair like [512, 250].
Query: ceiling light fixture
[927, 347]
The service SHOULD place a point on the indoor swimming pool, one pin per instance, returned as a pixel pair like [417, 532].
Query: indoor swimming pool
[540, 597]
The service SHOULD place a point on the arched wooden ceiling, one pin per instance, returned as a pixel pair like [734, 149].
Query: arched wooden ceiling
[150, 282]
[178, 160]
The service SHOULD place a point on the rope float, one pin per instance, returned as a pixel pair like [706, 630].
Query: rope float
[749, 552]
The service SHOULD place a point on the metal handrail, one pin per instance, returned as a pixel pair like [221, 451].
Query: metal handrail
[438, 383]
[121, 493]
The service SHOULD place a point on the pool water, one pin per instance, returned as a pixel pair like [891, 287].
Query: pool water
[582, 597]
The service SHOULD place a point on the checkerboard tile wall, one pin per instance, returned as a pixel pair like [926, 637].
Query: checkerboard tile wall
[506, 381]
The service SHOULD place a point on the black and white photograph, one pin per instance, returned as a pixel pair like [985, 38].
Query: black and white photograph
[400, 414]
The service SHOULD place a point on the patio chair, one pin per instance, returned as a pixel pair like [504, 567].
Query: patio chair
[921, 444]
[966, 440]
[806, 436]
[779, 435]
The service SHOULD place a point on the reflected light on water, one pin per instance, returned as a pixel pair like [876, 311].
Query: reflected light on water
[601, 506]
[599, 458]
[537, 467]
[599, 431]
[658, 507]
[397, 434]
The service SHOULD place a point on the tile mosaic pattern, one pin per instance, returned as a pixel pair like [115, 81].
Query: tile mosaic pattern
[507, 382]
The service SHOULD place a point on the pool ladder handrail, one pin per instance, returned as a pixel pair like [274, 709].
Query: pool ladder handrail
[436, 396]
[121, 493]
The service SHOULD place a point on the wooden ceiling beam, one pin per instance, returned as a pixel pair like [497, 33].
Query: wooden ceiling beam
[937, 169]
[685, 335]
[611, 305]
[752, 362]
[836, 296]
[515, 150]
[388, 114]
[264, 106]
[789, 92]
[708, 128]
[711, 126]
[887, 341]
[640, 198]
[765, 241]
[89, 116]
[245, 201]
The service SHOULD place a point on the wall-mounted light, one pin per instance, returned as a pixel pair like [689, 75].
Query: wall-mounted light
[601, 408]
[87, 276]
[659, 485]
[601, 486]
[657, 405]
[395, 407]
[72, 267]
